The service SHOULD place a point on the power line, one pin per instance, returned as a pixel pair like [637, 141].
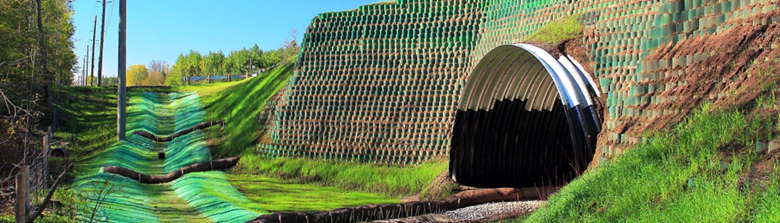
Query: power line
[102, 42]
[94, 8]
[111, 15]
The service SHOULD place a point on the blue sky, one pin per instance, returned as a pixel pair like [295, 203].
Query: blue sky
[161, 29]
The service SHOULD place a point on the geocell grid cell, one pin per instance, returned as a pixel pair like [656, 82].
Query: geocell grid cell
[382, 83]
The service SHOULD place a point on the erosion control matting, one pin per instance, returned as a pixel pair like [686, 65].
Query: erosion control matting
[199, 196]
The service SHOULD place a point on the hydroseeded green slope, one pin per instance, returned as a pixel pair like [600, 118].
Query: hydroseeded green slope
[239, 103]
[681, 176]
[209, 192]
[130, 201]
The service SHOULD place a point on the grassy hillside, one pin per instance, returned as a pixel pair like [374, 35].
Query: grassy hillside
[238, 103]
[89, 123]
[714, 167]
[198, 196]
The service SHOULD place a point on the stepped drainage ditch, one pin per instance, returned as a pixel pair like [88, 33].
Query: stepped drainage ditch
[525, 119]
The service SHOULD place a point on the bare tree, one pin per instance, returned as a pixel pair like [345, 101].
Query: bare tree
[14, 112]
[92, 201]
[290, 48]
[158, 65]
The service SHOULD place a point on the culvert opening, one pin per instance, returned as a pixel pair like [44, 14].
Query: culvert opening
[525, 119]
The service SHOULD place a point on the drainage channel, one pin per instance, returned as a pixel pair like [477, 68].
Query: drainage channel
[196, 197]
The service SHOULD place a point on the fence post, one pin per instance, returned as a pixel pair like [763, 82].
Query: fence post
[21, 194]
[46, 145]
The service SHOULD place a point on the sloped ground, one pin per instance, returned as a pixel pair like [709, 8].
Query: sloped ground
[699, 172]
[200, 197]
[206, 196]
[708, 163]
[716, 166]
[241, 105]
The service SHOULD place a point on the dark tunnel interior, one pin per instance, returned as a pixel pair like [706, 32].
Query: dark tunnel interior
[524, 121]
[509, 146]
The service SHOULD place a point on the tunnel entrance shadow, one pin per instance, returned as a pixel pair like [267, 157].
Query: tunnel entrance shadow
[525, 119]
[509, 146]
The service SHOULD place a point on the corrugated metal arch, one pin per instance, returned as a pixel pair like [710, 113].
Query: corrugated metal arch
[523, 116]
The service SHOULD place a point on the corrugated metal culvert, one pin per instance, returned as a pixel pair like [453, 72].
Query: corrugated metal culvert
[524, 119]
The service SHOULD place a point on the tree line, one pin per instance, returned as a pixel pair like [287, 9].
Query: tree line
[214, 63]
[36, 58]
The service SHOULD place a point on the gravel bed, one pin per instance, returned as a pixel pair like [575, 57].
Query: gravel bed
[490, 210]
[477, 213]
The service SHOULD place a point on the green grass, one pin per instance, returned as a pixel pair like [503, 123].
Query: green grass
[87, 121]
[557, 32]
[391, 180]
[91, 121]
[195, 197]
[767, 205]
[88, 116]
[276, 195]
[44, 219]
[239, 104]
[678, 176]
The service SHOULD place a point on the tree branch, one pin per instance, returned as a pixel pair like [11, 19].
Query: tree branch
[14, 62]
[46, 200]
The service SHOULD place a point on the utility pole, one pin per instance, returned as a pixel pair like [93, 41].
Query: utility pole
[230, 74]
[250, 67]
[94, 33]
[102, 41]
[84, 71]
[86, 64]
[120, 114]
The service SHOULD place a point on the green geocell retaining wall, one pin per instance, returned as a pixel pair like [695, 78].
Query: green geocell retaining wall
[204, 196]
[381, 83]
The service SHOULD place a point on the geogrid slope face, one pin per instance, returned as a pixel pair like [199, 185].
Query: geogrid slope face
[378, 83]
[381, 83]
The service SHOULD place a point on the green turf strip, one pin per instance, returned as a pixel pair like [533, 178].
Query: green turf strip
[209, 191]
[276, 195]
